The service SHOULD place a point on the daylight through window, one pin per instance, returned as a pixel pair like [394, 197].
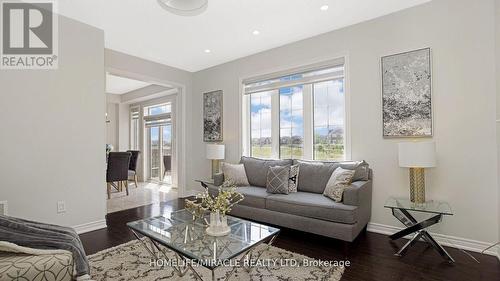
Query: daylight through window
[299, 115]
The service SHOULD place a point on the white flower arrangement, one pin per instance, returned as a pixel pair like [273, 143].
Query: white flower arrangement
[222, 203]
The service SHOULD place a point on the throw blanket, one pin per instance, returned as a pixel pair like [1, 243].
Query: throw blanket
[46, 237]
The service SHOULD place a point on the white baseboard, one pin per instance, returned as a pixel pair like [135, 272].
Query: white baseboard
[91, 226]
[446, 240]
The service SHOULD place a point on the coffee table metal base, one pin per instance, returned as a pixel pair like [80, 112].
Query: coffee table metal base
[419, 230]
[155, 250]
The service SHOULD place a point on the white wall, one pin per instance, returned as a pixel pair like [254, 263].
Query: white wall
[112, 124]
[461, 35]
[123, 126]
[53, 133]
[144, 94]
[497, 53]
[117, 130]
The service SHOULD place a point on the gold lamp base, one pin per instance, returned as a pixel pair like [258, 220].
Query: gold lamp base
[215, 167]
[417, 185]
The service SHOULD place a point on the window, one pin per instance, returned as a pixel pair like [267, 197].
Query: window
[298, 114]
[291, 123]
[158, 109]
[134, 128]
[260, 110]
[329, 120]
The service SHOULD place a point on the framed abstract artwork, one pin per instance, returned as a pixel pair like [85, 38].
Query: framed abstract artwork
[212, 116]
[406, 94]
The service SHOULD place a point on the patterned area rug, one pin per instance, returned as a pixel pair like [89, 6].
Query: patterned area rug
[131, 261]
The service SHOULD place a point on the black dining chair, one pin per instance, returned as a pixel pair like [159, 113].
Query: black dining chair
[132, 167]
[117, 172]
[167, 164]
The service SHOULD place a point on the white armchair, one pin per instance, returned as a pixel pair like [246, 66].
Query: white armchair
[21, 263]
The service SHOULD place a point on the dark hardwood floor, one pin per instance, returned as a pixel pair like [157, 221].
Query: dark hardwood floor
[371, 254]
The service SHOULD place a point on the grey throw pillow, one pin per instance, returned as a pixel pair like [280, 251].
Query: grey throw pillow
[236, 173]
[339, 180]
[362, 169]
[277, 179]
[293, 178]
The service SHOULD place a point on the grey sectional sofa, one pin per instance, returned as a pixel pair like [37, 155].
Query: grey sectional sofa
[306, 210]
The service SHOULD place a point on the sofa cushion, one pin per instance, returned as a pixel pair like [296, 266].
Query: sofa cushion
[254, 196]
[314, 175]
[312, 205]
[256, 169]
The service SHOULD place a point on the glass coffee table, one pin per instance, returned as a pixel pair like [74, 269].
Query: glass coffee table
[191, 245]
[401, 209]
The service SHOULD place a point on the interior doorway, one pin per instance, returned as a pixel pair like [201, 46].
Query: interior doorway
[144, 120]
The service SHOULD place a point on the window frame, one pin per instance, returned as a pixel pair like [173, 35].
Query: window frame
[134, 127]
[308, 112]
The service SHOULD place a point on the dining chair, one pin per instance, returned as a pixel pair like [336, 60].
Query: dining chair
[167, 164]
[117, 171]
[132, 167]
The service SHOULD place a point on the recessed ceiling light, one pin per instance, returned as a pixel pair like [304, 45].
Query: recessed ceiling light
[256, 32]
[207, 51]
[323, 8]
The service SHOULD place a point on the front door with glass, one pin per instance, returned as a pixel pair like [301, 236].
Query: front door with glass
[158, 125]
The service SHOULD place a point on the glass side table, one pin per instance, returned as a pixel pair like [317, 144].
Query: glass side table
[401, 209]
[205, 182]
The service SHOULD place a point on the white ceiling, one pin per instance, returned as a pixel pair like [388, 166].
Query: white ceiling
[142, 28]
[120, 85]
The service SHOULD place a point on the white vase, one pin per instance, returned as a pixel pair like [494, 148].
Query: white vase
[218, 225]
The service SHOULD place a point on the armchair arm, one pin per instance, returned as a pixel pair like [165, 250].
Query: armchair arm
[359, 193]
[218, 179]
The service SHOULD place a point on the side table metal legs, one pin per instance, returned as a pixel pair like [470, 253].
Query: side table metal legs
[419, 228]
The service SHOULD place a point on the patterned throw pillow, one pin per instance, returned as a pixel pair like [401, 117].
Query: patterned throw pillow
[235, 172]
[277, 179]
[293, 178]
[339, 180]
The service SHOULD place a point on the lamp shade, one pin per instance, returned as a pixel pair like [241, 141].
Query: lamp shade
[215, 151]
[417, 154]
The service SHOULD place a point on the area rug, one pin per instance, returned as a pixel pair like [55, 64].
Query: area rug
[130, 261]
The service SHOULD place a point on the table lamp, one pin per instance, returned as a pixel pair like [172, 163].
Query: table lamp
[215, 152]
[417, 156]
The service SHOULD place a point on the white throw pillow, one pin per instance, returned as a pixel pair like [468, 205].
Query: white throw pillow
[339, 180]
[235, 172]
[293, 179]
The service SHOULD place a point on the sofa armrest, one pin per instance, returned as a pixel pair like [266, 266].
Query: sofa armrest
[218, 179]
[37, 267]
[359, 193]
